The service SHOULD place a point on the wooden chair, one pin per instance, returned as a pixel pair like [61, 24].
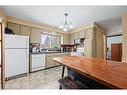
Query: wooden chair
[68, 83]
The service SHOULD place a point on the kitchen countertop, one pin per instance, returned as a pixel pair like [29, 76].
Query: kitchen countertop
[48, 52]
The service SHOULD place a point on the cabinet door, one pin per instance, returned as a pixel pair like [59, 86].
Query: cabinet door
[82, 34]
[52, 63]
[25, 30]
[53, 56]
[65, 39]
[49, 61]
[59, 55]
[71, 38]
[88, 47]
[35, 35]
[76, 35]
[14, 27]
[56, 55]
[89, 33]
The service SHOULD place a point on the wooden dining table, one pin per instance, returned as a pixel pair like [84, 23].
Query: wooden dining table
[109, 73]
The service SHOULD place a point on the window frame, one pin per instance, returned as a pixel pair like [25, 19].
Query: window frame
[52, 35]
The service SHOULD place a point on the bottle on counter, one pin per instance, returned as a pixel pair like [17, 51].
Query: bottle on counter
[34, 50]
[61, 48]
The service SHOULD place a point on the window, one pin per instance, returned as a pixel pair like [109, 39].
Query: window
[50, 41]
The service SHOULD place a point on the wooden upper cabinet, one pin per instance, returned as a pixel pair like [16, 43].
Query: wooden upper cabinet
[65, 39]
[14, 27]
[82, 34]
[25, 30]
[35, 35]
[89, 33]
[19, 29]
[71, 36]
[76, 35]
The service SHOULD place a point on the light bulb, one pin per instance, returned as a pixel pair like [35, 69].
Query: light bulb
[61, 26]
[65, 29]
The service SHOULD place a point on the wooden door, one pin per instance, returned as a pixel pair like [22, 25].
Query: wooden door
[116, 52]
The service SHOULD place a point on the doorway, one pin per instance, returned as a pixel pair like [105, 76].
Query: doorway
[114, 47]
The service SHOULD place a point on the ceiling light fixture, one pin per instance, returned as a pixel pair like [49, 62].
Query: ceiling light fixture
[66, 24]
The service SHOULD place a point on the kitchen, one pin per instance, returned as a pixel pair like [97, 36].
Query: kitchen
[45, 46]
[42, 47]
[31, 47]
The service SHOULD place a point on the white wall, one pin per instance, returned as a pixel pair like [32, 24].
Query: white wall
[114, 30]
[111, 40]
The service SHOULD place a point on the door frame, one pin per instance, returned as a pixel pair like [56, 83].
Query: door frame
[108, 37]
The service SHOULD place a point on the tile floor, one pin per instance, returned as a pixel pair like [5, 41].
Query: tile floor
[45, 79]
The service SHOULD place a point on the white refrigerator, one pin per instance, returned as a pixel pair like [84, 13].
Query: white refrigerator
[16, 55]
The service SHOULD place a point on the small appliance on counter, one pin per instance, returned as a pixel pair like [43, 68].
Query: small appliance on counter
[68, 48]
[34, 47]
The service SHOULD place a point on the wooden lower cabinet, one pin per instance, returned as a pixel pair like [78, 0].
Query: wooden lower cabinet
[50, 62]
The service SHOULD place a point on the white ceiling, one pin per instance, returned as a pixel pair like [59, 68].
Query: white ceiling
[107, 16]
